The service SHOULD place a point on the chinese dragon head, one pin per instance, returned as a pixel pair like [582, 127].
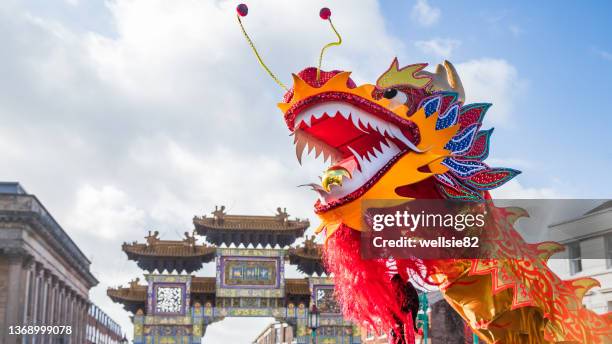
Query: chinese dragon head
[410, 136]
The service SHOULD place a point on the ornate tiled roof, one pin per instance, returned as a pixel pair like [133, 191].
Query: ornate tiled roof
[307, 257]
[133, 293]
[227, 229]
[168, 249]
[297, 286]
[203, 285]
[278, 222]
[132, 297]
[169, 255]
[137, 293]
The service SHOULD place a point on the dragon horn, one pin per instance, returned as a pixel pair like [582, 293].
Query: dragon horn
[325, 14]
[242, 10]
[445, 79]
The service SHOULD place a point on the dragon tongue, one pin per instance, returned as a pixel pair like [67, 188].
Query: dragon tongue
[349, 164]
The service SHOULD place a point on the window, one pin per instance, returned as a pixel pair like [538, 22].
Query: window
[574, 257]
[608, 247]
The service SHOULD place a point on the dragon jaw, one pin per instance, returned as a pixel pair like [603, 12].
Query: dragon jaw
[374, 146]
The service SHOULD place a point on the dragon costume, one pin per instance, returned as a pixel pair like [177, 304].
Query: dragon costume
[410, 136]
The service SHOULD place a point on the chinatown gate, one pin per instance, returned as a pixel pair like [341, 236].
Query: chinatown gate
[250, 253]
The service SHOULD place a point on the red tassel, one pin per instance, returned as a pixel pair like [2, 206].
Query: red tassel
[364, 288]
[409, 336]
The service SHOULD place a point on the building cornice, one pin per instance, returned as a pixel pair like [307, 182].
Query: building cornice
[27, 209]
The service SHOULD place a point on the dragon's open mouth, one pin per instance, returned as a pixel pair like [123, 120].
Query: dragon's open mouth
[360, 145]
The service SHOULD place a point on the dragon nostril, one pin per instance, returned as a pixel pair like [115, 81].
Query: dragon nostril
[389, 93]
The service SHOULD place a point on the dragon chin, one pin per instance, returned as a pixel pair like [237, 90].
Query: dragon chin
[372, 145]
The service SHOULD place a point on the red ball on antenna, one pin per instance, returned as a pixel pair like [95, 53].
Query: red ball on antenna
[242, 10]
[325, 13]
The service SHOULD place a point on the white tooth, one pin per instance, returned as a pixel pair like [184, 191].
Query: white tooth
[344, 114]
[318, 151]
[354, 118]
[356, 123]
[377, 152]
[394, 131]
[326, 154]
[385, 143]
[400, 136]
[376, 126]
[299, 148]
[343, 110]
[372, 156]
[361, 118]
[358, 157]
[381, 127]
[393, 147]
[307, 120]
[311, 145]
[319, 115]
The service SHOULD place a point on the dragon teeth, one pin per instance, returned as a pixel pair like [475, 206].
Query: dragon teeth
[299, 149]
[368, 163]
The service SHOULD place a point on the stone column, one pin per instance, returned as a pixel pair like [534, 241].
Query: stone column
[42, 295]
[67, 312]
[57, 316]
[63, 310]
[85, 319]
[50, 297]
[37, 306]
[74, 318]
[27, 289]
[45, 296]
[50, 288]
[79, 320]
[16, 294]
[33, 303]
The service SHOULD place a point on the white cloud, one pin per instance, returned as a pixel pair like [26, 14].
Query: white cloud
[511, 162]
[515, 190]
[425, 14]
[492, 81]
[606, 55]
[438, 47]
[164, 115]
[516, 30]
[107, 209]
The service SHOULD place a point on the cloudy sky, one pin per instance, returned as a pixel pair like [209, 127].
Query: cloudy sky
[124, 116]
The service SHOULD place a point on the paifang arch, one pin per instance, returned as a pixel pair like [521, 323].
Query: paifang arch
[250, 253]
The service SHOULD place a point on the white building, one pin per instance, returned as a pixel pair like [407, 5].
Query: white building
[588, 240]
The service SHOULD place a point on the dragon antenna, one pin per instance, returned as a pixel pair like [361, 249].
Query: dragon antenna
[242, 10]
[325, 14]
